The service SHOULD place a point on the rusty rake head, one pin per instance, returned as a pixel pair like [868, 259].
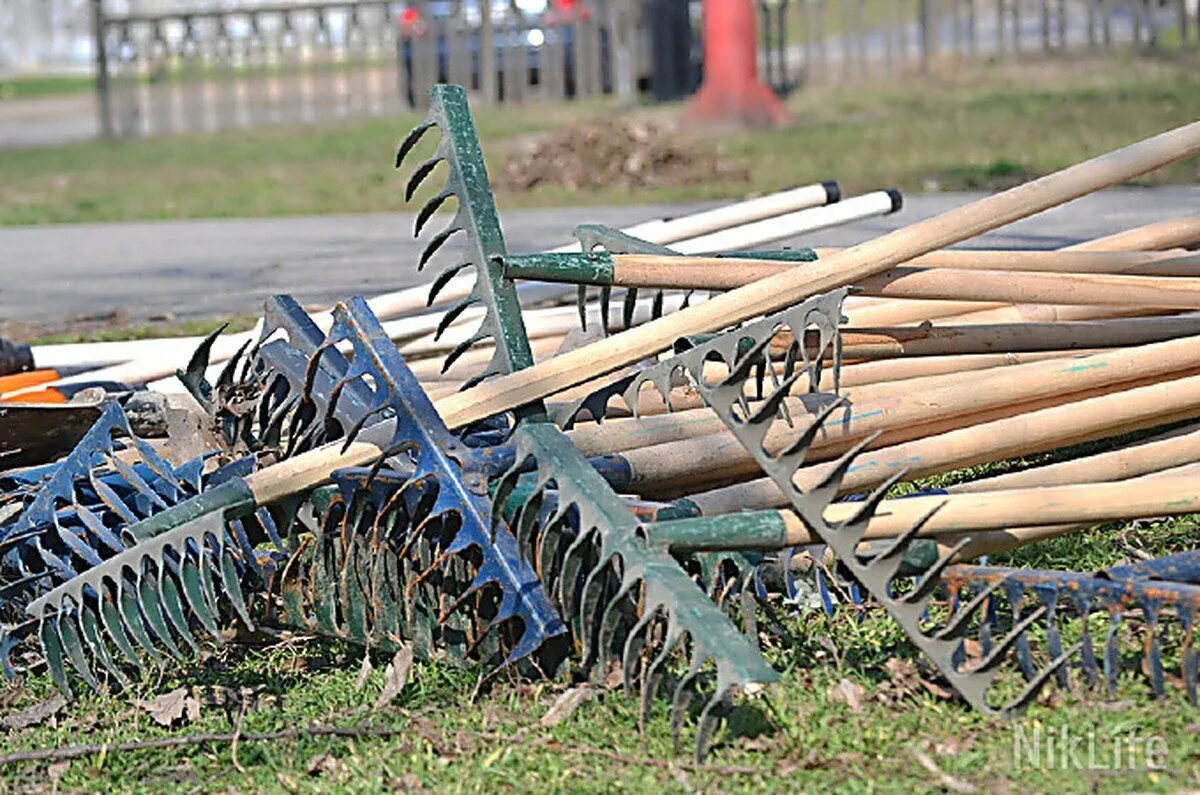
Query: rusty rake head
[1152, 605]
[426, 501]
[415, 532]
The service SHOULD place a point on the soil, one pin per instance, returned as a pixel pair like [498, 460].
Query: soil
[618, 152]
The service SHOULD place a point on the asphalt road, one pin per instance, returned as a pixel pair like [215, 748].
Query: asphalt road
[211, 268]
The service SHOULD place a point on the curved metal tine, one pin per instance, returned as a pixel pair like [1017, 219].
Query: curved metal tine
[230, 584]
[421, 172]
[827, 488]
[1112, 651]
[429, 208]
[654, 674]
[958, 624]
[637, 640]
[590, 607]
[465, 346]
[192, 375]
[72, 644]
[681, 699]
[114, 627]
[932, 577]
[628, 306]
[1034, 685]
[996, 654]
[411, 140]
[453, 313]
[855, 527]
[1049, 595]
[612, 617]
[172, 601]
[769, 408]
[443, 278]
[1152, 652]
[805, 439]
[152, 609]
[715, 711]
[435, 243]
[95, 639]
[52, 649]
[131, 619]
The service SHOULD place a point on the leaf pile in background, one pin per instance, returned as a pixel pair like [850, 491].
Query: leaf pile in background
[618, 152]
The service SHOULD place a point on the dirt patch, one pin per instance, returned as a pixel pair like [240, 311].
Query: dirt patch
[607, 153]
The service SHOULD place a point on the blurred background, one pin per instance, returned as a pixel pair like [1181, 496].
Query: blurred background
[148, 110]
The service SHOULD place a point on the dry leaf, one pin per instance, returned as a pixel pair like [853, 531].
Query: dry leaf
[945, 779]
[170, 707]
[323, 762]
[396, 676]
[364, 672]
[35, 715]
[848, 693]
[56, 770]
[566, 704]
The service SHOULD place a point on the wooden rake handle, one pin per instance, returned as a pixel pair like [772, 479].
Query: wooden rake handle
[784, 289]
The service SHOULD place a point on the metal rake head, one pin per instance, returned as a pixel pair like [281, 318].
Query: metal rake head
[597, 236]
[64, 518]
[754, 378]
[475, 217]
[746, 354]
[1151, 606]
[628, 601]
[139, 602]
[425, 504]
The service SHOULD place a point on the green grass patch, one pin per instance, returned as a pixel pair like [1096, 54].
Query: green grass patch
[984, 128]
[34, 86]
[794, 737]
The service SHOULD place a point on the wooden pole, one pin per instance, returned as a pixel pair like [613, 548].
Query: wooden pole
[720, 273]
[1045, 429]
[904, 416]
[850, 266]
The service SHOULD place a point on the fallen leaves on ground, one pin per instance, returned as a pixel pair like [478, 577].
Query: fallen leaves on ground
[171, 707]
[395, 676]
[34, 715]
[848, 693]
[364, 673]
[566, 704]
[324, 762]
[624, 152]
[906, 680]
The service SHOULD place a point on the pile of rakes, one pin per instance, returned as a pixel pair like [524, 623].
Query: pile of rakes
[341, 500]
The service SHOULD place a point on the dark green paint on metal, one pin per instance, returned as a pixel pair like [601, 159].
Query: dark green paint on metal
[761, 530]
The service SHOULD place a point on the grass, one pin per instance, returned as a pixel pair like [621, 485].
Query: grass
[972, 129]
[795, 737]
[36, 86]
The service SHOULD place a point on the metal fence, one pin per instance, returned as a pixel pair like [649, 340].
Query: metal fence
[38, 35]
[804, 41]
[301, 63]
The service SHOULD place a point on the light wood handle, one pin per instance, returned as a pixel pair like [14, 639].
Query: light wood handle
[784, 289]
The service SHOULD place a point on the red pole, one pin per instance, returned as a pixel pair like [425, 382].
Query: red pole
[731, 91]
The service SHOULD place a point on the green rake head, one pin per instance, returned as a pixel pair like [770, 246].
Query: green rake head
[466, 182]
